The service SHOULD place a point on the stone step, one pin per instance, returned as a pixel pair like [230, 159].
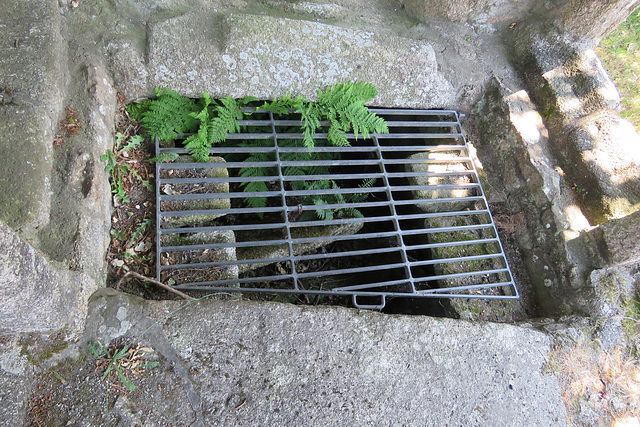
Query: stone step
[242, 363]
[265, 56]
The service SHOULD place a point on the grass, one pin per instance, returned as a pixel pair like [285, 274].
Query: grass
[620, 54]
[607, 381]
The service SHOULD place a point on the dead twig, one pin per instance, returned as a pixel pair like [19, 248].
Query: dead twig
[154, 281]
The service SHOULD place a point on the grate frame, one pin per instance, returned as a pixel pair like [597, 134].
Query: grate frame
[428, 131]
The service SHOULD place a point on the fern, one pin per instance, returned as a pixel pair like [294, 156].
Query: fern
[361, 197]
[137, 111]
[281, 106]
[169, 115]
[253, 172]
[212, 128]
[333, 198]
[210, 121]
[342, 105]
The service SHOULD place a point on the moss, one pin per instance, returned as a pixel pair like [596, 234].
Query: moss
[631, 325]
[38, 350]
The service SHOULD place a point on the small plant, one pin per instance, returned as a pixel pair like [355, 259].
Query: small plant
[139, 231]
[209, 122]
[118, 168]
[121, 360]
[342, 105]
[165, 158]
[334, 198]
[172, 115]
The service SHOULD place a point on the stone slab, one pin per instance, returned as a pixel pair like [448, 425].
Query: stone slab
[580, 85]
[266, 57]
[16, 380]
[280, 251]
[31, 81]
[601, 156]
[35, 295]
[514, 144]
[243, 363]
[618, 240]
[200, 204]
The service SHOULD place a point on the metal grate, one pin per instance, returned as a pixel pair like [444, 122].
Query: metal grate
[400, 215]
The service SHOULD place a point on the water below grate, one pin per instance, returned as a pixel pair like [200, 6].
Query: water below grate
[396, 215]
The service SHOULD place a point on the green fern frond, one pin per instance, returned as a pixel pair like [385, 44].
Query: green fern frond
[199, 143]
[170, 115]
[308, 216]
[349, 213]
[343, 105]
[197, 150]
[256, 202]
[361, 197]
[281, 106]
[294, 170]
[137, 111]
[343, 94]
[257, 186]
[311, 117]
[246, 101]
[226, 122]
[338, 137]
[368, 183]
[323, 214]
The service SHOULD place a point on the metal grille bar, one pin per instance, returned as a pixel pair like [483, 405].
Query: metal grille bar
[420, 227]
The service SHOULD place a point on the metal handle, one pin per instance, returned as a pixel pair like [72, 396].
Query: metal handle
[369, 306]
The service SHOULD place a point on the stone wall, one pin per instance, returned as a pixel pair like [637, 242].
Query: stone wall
[55, 200]
[577, 18]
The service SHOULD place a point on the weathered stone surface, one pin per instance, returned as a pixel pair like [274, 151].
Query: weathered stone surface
[496, 12]
[582, 21]
[565, 76]
[36, 296]
[25, 172]
[241, 54]
[579, 86]
[513, 143]
[447, 161]
[530, 129]
[592, 19]
[601, 156]
[619, 240]
[577, 99]
[200, 204]
[208, 255]
[453, 11]
[31, 82]
[16, 378]
[262, 252]
[78, 229]
[335, 366]
[614, 290]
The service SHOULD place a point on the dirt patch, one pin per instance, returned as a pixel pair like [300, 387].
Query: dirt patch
[75, 393]
[132, 245]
